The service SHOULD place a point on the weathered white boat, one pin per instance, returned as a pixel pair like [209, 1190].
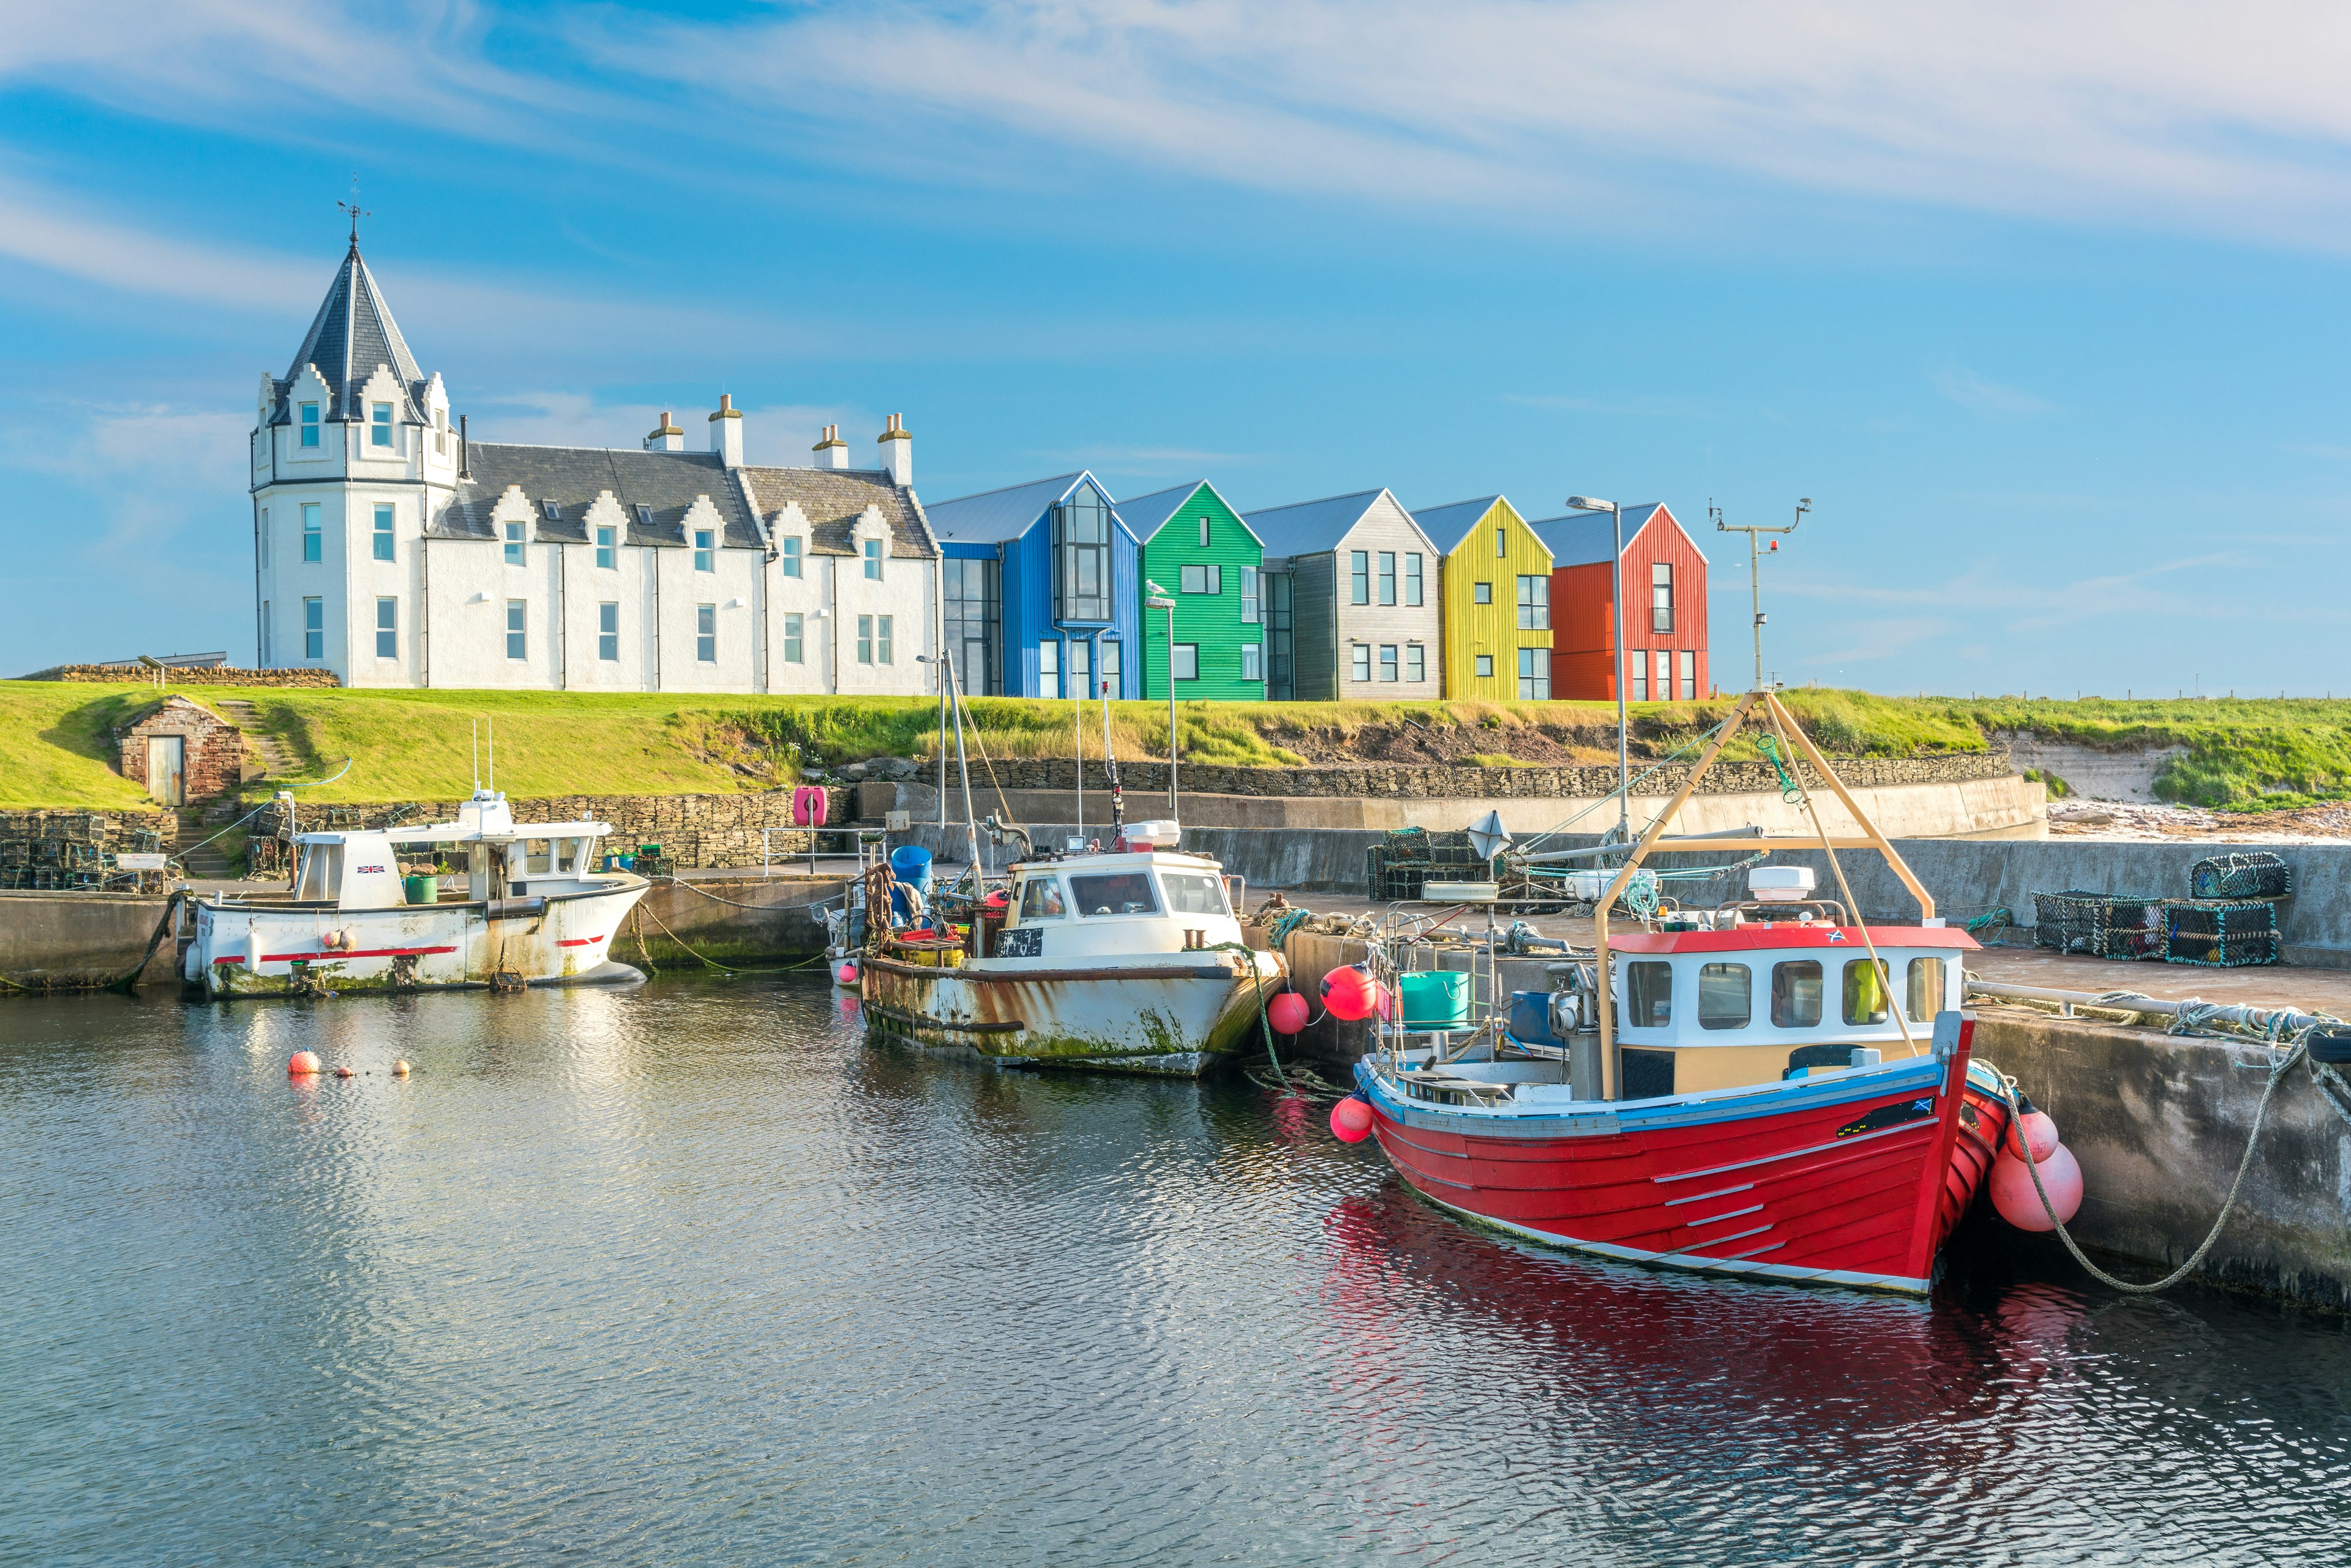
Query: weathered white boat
[1131, 961]
[530, 912]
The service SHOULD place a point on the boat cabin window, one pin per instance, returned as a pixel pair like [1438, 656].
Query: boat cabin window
[1195, 893]
[1926, 998]
[1650, 989]
[538, 857]
[1796, 995]
[1116, 893]
[1040, 899]
[1864, 991]
[1724, 996]
[321, 876]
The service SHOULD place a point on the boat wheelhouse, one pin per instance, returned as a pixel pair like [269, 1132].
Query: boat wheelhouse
[523, 905]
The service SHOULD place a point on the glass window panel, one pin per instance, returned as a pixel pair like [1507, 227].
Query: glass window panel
[1361, 662]
[1388, 662]
[1204, 533]
[883, 640]
[1049, 669]
[1649, 991]
[608, 631]
[1534, 674]
[1796, 995]
[1415, 664]
[1412, 578]
[1725, 996]
[1387, 577]
[1534, 603]
[314, 628]
[794, 644]
[865, 639]
[1637, 664]
[1119, 893]
[702, 550]
[1194, 579]
[705, 633]
[1661, 597]
[387, 628]
[514, 544]
[310, 425]
[1252, 662]
[1187, 661]
[1486, 664]
[1865, 989]
[789, 555]
[1689, 674]
[1110, 667]
[1359, 577]
[1193, 892]
[518, 628]
[313, 536]
[873, 559]
[1926, 990]
[383, 533]
[1040, 899]
[605, 547]
[1482, 592]
[1252, 602]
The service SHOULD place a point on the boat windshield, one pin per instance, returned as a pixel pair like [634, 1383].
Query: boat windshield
[1195, 893]
[1116, 893]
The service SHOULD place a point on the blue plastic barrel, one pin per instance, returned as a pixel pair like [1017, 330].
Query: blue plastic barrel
[912, 864]
[1531, 1017]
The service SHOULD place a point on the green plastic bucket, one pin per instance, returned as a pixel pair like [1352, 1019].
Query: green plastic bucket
[1435, 998]
[421, 889]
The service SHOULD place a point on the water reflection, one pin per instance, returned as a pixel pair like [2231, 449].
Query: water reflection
[693, 1274]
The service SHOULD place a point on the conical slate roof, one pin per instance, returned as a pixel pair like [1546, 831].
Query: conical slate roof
[351, 335]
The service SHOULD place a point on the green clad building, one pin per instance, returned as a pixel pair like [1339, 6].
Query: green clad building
[1197, 551]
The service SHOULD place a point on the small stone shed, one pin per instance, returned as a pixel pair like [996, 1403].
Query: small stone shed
[182, 751]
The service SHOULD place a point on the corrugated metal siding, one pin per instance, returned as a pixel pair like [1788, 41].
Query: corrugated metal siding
[1471, 628]
[1582, 661]
[1386, 527]
[1212, 622]
[1314, 628]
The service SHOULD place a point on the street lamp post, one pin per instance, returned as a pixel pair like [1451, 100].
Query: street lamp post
[1160, 599]
[1616, 592]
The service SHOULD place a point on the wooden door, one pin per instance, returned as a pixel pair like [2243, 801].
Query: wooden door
[166, 756]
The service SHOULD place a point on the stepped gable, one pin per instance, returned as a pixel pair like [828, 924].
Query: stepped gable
[833, 499]
[654, 490]
[351, 336]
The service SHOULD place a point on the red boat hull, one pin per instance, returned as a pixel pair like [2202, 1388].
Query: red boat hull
[1849, 1186]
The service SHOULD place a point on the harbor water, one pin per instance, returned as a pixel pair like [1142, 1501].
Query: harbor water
[693, 1274]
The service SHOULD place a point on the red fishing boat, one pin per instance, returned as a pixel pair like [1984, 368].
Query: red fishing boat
[1775, 1088]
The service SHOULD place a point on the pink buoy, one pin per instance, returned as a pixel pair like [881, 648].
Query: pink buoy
[2013, 1196]
[302, 1063]
[343, 1073]
[846, 974]
[1287, 1012]
[1349, 994]
[2039, 1134]
[1351, 1120]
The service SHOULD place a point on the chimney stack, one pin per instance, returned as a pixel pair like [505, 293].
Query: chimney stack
[726, 432]
[832, 451]
[668, 437]
[897, 443]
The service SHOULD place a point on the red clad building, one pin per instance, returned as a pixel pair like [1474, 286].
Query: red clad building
[1664, 579]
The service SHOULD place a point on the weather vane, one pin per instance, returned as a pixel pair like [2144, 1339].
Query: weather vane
[352, 208]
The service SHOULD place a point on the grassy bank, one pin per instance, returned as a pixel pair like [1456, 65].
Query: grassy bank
[56, 744]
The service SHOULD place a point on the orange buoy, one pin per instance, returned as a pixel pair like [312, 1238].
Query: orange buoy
[343, 1072]
[1350, 994]
[1350, 1120]
[2013, 1196]
[1287, 1012]
[399, 1068]
[2033, 1131]
[301, 1062]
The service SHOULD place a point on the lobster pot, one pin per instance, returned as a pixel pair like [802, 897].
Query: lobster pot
[2255, 873]
[2101, 924]
[2221, 934]
[1402, 864]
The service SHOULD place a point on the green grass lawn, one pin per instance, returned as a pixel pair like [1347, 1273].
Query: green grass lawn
[55, 744]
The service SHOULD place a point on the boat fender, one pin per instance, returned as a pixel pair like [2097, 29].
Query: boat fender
[1287, 1012]
[2013, 1196]
[2035, 1131]
[1349, 994]
[846, 974]
[1350, 1120]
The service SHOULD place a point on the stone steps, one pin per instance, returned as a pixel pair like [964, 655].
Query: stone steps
[206, 862]
[277, 760]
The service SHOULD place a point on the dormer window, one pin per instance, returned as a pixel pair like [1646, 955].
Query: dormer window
[873, 559]
[703, 539]
[1081, 574]
[380, 425]
[514, 544]
[550, 511]
[441, 431]
[605, 538]
[645, 518]
[789, 553]
[310, 425]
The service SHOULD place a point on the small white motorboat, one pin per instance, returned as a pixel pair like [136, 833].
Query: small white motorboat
[530, 912]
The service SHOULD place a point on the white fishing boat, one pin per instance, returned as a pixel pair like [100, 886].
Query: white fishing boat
[526, 908]
[1130, 960]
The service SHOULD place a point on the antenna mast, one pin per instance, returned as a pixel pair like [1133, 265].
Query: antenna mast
[1755, 566]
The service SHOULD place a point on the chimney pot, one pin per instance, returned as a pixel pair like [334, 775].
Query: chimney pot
[666, 436]
[726, 432]
[897, 443]
[832, 451]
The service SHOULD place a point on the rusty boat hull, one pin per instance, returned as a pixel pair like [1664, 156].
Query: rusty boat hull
[1168, 1014]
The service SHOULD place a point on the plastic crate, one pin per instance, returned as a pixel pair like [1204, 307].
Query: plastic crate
[2219, 933]
[2100, 924]
[2254, 874]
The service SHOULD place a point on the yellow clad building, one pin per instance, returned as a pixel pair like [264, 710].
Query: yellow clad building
[1494, 578]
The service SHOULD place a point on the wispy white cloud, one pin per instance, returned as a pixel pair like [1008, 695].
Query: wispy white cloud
[1970, 390]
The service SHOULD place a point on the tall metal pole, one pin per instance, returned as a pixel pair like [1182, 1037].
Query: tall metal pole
[1160, 599]
[945, 657]
[1755, 568]
[1624, 766]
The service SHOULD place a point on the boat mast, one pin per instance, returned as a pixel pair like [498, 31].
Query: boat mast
[1755, 569]
[1078, 711]
[963, 766]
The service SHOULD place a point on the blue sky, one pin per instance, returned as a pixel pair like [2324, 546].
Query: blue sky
[2043, 307]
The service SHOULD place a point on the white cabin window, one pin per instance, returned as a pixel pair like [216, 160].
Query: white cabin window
[1926, 998]
[1725, 996]
[320, 878]
[1115, 893]
[1040, 899]
[1865, 989]
[1796, 995]
[538, 857]
[1195, 893]
[1649, 987]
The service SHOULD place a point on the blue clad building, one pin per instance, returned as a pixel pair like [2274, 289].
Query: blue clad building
[1040, 590]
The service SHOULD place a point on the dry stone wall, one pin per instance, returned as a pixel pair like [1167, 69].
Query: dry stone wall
[1483, 783]
[194, 676]
[693, 830]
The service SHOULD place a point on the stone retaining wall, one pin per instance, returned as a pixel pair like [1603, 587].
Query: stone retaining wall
[194, 675]
[693, 830]
[1144, 779]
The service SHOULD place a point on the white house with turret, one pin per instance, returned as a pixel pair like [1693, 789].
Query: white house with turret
[395, 552]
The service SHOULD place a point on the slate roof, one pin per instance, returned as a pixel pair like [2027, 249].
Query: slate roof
[1146, 514]
[1449, 525]
[1587, 539]
[664, 484]
[834, 499]
[993, 516]
[351, 336]
[1310, 527]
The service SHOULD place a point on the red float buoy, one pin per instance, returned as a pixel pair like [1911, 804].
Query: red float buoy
[343, 1073]
[1351, 1120]
[1349, 994]
[1287, 1012]
[302, 1063]
[2013, 1196]
[2033, 1131]
[846, 974]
